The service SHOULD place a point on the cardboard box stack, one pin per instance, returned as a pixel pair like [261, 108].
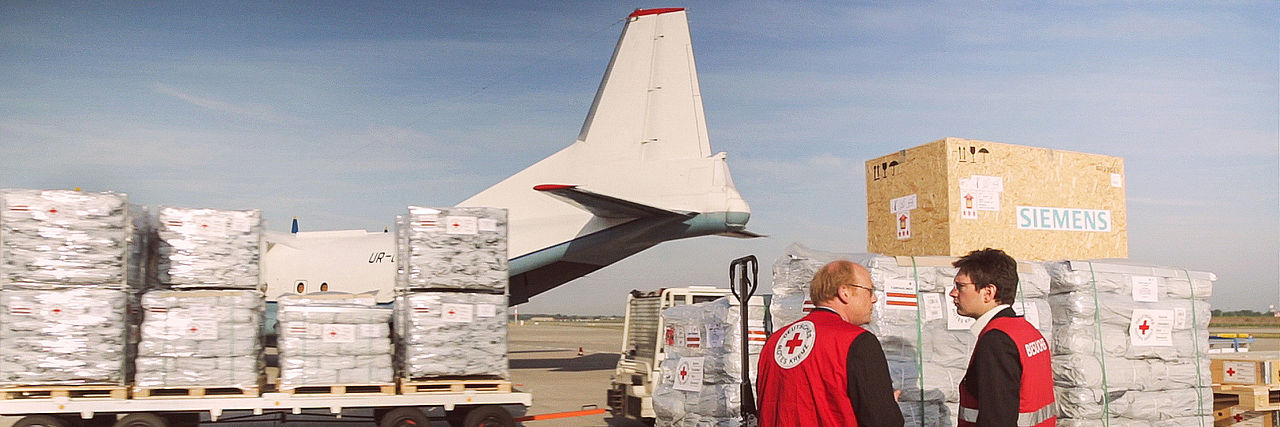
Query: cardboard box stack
[451, 293]
[202, 318]
[69, 271]
[926, 343]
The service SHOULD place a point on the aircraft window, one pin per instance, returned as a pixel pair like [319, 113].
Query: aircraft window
[324, 287]
[302, 287]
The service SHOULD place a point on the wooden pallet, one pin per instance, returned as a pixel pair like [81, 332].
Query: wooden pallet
[337, 389]
[453, 385]
[194, 392]
[1249, 397]
[69, 392]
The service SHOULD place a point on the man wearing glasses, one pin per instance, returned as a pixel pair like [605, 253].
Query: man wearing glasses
[1009, 381]
[824, 369]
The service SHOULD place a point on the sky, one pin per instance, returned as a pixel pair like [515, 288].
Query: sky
[344, 113]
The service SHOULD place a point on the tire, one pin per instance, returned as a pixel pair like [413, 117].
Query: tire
[41, 421]
[489, 416]
[404, 417]
[141, 420]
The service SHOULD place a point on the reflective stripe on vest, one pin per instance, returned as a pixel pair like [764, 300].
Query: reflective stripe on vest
[1025, 419]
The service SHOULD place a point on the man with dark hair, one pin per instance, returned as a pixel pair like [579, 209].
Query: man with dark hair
[824, 369]
[1009, 381]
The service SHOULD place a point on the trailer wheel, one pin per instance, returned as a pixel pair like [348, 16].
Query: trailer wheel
[488, 416]
[405, 417]
[141, 420]
[41, 421]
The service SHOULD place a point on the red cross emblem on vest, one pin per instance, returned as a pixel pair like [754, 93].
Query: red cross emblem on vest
[794, 342]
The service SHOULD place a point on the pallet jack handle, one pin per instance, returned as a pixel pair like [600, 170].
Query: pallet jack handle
[743, 287]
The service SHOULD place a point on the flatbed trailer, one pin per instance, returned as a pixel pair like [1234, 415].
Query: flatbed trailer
[458, 408]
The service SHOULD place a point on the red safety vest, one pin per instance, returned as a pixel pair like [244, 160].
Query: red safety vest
[802, 379]
[1036, 406]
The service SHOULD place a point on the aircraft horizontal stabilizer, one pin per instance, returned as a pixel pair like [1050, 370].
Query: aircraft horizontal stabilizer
[605, 206]
[742, 234]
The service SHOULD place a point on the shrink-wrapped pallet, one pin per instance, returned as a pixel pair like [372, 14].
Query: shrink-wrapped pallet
[333, 339]
[926, 343]
[701, 376]
[207, 338]
[1130, 344]
[454, 248]
[208, 248]
[57, 238]
[451, 333]
[64, 336]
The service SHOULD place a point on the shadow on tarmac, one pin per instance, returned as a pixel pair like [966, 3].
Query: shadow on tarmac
[592, 362]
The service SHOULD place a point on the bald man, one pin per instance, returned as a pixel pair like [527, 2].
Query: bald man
[825, 369]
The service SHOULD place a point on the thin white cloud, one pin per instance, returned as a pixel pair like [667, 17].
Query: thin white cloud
[255, 112]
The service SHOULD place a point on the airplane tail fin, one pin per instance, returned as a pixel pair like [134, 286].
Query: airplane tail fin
[649, 105]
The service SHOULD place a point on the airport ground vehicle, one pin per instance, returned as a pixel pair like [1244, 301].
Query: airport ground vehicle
[639, 367]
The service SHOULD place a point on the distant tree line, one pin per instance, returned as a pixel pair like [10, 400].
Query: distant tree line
[1239, 313]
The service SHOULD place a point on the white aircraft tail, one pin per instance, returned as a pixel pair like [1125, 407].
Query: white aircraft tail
[640, 172]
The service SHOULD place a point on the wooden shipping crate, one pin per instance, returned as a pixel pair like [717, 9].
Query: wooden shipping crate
[954, 195]
[1240, 417]
[1261, 367]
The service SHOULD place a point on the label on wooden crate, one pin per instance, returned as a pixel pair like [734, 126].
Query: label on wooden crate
[1239, 372]
[1238, 417]
[904, 203]
[904, 225]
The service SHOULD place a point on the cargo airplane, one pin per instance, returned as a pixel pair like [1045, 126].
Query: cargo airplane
[640, 172]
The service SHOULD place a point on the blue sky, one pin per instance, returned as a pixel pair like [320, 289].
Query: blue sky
[344, 113]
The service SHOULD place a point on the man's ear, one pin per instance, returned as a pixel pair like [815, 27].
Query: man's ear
[843, 294]
[989, 290]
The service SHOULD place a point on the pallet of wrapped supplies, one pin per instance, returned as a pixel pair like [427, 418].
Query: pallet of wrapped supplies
[1130, 344]
[334, 343]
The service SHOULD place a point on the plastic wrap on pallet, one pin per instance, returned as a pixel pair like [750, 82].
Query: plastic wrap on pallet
[1194, 421]
[926, 343]
[63, 336]
[455, 248]
[701, 376]
[190, 337]
[451, 333]
[1130, 344]
[329, 370]
[56, 238]
[208, 248]
[234, 371]
[333, 339]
